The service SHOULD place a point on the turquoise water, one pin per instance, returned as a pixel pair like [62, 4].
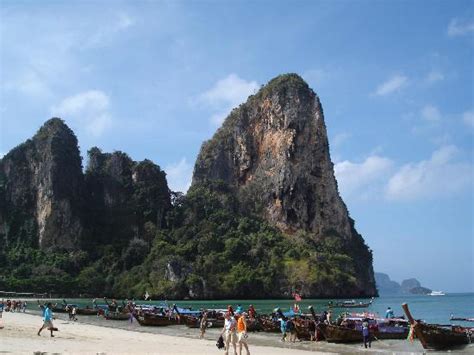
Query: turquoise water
[432, 309]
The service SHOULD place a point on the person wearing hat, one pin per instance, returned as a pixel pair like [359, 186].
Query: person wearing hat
[242, 333]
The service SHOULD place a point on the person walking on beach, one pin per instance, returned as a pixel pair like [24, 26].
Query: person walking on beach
[242, 333]
[203, 325]
[47, 320]
[366, 333]
[229, 333]
[282, 328]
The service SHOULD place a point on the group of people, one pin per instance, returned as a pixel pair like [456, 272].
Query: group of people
[13, 305]
[235, 329]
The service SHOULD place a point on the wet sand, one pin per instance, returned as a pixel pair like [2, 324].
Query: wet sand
[94, 335]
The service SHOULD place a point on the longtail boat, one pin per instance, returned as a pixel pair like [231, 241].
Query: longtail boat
[351, 304]
[269, 324]
[463, 319]
[438, 337]
[151, 319]
[117, 316]
[340, 334]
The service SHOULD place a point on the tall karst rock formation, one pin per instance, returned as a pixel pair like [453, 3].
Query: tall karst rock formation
[42, 191]
[273, 152]
[46, 200]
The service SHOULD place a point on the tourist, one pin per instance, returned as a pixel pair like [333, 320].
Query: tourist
[25, 304]
[203, 325]
[282, 328]
[312, 328]
[328, 317]
[239, 309]
[47, 320]
[2, 306]
[229, 333]
[291, 330]
[73, 312]
[389, 313]
[252, 312]
[366, 333]
[242, 333]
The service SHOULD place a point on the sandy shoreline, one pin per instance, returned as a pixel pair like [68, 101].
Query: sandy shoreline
[92, 335]
[19, 337]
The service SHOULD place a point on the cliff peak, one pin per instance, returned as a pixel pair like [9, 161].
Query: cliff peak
[273, 153]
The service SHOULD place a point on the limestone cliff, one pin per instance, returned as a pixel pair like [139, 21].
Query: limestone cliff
[124, 195]
[273, 152]
[42, 190]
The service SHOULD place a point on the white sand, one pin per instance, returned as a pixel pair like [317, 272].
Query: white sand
[19, 337]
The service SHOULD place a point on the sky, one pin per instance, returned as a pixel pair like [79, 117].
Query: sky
[156, 78]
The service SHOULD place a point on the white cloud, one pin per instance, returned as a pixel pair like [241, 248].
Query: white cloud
[434, 76]
[89, 109]
[468, 118]
[460, 28]
[362, 179]
[439, 176]
[430, 113]
[179, 175]
[226, 94]
[395, 83]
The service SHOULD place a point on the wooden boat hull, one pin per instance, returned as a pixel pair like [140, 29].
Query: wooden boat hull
[338, 334]
[86, 311]
[438, 338]
[117, 316]
[149, 319]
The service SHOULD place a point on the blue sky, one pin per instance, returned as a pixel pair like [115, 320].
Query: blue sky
[156, 78]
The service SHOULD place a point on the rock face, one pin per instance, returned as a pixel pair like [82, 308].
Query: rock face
[124, 195]
[47, 201]
[273, 151]
[408, 284]
[385, 286]
[42, 189]
[276, 145]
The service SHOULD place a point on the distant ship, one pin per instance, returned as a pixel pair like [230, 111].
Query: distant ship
[437, 293]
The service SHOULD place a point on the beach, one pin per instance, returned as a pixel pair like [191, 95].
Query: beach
[92, 335]
[19, 337]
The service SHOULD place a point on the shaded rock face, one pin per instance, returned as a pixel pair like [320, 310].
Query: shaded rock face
[273, 151]
[42, 190]
[124, 195]
[47, 201]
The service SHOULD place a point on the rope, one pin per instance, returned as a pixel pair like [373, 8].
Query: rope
[411, 333]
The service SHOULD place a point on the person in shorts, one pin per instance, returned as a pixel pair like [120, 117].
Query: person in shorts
[47, 320]
[242, 333]
[229, 333]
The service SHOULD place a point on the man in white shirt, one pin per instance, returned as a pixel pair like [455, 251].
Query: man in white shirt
[230, 334]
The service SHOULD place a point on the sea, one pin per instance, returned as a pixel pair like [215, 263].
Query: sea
[431, 309]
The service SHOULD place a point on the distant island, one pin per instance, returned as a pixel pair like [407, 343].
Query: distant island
[386, 286]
